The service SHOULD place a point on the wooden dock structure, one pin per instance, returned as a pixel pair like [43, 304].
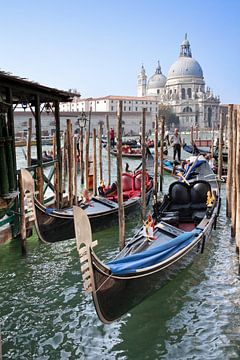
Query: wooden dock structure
[38, 98]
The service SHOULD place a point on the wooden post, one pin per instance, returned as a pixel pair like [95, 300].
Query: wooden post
[238, 181]
[230, 167]
[108, 151]
[23, 230]
[197, 132]
[39, 170]
[75, 166]
[70, 162]
[100, 151]
[94, 163]
[89, 122]
[161, 151]
[155, 182]
[65, 157]
[121, 218]
[38, 129]
[81, 156]
[143, 182]
[191, 136]
[234, 174]
[29, 142]
[86, 158]
[220, 144]
[58, 149]
[11, 130]
[56, 175]
[39, 184]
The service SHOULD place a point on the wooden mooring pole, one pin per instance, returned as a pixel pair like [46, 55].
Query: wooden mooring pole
[238, 183]
[155, 179]
[70, 162]
[100, 152]
[234, 174]
[64, 163]
[161, 151]
[220, 146]
[230, 160]
[56, 175]
[121, 219]
[86, 159]
[75, 167]
[143, 182]
[108, 151]
[29, 142]
[81, 156]
[23, 230]
[94, 162]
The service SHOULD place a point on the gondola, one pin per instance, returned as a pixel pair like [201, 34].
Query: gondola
[128, 152]
[194, 150]
[54, 225]
[183, 224]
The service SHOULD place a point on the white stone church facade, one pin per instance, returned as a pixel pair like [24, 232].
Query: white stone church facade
[183, 90]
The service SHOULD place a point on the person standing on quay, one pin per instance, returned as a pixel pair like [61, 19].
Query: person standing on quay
[112, 137]
[176, 142]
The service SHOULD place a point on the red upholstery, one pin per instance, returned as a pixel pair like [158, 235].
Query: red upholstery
[127, 182]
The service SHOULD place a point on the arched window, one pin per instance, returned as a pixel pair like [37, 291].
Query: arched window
[189, 93]
[183, 94]
[187, 109]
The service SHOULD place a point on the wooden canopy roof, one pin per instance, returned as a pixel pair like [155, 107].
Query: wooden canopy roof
[24, 90]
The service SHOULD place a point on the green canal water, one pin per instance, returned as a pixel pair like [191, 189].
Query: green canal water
[45, 315]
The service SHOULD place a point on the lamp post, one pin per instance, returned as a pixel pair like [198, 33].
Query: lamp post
[82, 120]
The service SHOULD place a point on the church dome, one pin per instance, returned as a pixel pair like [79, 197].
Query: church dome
[158, 80]
[185, 65]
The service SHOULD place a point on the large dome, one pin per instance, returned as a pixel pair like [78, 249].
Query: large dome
[185, 66]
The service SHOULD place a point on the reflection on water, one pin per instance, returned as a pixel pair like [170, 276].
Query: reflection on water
[45, 315]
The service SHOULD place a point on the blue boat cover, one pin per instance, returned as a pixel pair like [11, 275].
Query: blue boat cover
[131, 263]
[196, 165]
[49, 210]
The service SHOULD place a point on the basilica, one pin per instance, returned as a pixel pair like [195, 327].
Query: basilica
[183, 90]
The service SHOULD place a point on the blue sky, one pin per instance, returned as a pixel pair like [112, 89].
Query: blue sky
[98, 46]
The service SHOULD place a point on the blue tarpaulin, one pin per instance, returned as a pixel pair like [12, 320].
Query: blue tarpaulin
[131, 263]
[196, 165]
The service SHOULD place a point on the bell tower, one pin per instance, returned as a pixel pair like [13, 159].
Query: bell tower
[142, 82]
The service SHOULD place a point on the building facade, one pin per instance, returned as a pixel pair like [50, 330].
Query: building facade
[183, 91]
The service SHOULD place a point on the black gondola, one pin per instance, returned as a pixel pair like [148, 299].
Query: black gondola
[54, 225]
[184, 221]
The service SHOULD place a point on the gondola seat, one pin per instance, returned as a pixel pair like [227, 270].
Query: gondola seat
[199, 190]
[180, 197]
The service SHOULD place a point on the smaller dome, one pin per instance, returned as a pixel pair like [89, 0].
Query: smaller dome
[157, 81]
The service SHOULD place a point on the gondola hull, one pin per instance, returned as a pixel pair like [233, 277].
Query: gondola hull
[53, 226]
[183, 224]
[115, 296]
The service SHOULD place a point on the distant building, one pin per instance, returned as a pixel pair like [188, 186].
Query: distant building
[183, 91]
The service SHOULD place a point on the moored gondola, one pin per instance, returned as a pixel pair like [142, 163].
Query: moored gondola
[183, 224]
[54, 225]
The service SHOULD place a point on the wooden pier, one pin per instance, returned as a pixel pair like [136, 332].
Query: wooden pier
[15, 91]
